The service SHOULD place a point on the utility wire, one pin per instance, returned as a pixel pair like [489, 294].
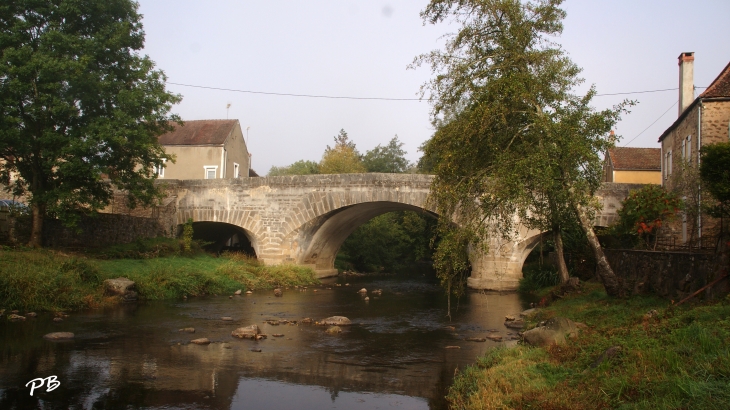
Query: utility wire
[298, 95]
[372, 98]
[655, 121]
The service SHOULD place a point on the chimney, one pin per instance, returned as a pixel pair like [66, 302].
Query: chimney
[686, 80]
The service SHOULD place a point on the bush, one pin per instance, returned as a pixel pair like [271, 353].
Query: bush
[536, 277]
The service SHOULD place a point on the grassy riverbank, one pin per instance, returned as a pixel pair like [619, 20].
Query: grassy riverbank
[677, 359]
[43, 280]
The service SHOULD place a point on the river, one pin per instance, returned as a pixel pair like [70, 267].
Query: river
[134, 356]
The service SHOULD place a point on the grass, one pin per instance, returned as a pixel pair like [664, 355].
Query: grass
[43, 280]
[678, 359]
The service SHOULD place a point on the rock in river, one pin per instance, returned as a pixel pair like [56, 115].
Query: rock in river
[187, 329]
[515, 324]
[248, 332]
[333, 330]
[13, 317]
[201, 341]
[336, 321]
[59, 336]
[118, 287]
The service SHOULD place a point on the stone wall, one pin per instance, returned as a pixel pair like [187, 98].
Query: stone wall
[671, 275]
[91, 232]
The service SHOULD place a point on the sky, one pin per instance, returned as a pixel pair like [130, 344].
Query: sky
[362, 49]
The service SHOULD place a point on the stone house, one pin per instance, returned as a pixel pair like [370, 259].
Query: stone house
[702, 121]
[633, 165]
[205, 149]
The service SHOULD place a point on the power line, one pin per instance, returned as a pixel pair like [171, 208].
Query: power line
[298, 95]
[371, 98]
[655, 121]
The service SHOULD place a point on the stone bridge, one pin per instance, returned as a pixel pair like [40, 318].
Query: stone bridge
[304, 219]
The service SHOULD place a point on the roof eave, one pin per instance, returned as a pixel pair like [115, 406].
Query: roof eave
[686, 113]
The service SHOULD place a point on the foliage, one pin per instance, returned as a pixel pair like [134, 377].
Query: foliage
[676, 359]
[300, 167]
[390, 242]
[187, 235]
[148, 248]
[511, 138]
[80, 109]
[536, 277]
[451, 261]
[387, 159]
[40, 280]
[644, 211]
[343, 158]
[715, 174]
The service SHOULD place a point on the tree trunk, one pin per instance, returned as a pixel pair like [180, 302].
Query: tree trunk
[608, 278]
[562, 268]
[36, 233]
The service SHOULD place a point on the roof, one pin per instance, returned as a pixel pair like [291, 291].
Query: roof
[645, 159]
[200, 132]
[720, 87]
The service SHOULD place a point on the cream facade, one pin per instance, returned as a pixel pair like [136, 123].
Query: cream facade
[210, 149]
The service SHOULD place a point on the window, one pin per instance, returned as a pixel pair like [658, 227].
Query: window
[210, 171]
[160, 169]
[687, 148]
[235, 170]
[668, 164]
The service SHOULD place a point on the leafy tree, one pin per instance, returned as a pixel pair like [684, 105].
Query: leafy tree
[301, 167]
[388, 159]
[644, 211]
[715, 175]
[80, 109]
[343, 158]
[511, 138]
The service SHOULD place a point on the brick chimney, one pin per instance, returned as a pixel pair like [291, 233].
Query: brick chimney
[686, 80]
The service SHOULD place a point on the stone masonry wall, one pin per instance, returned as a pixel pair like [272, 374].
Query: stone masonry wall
[671, 275]
[90, 232]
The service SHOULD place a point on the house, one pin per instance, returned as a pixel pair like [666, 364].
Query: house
[633, 165]
[702, 121]
[205, 149]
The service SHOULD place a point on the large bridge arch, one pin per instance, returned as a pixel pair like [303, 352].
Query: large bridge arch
[320, 239]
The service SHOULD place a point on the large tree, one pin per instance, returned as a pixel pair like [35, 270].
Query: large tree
[512, 137]
[80, 109]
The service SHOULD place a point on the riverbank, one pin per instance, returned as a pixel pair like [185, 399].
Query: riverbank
[627, 357]
[46, 280]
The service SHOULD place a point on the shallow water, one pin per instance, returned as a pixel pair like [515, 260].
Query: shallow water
[133, 356]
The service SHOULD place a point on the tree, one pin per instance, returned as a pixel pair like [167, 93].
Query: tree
[715, 175]
[301, 167]
[388, 159]
[343, 158]
[644, 211]
[80, 108]
[511, 137]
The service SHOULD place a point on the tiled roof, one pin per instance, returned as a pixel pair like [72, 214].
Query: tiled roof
[648, 159]
[200, 132]
[720, 87]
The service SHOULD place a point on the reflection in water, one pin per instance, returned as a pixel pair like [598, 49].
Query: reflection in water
[134, 355]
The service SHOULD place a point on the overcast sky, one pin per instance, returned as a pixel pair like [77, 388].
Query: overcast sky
[361, 48]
